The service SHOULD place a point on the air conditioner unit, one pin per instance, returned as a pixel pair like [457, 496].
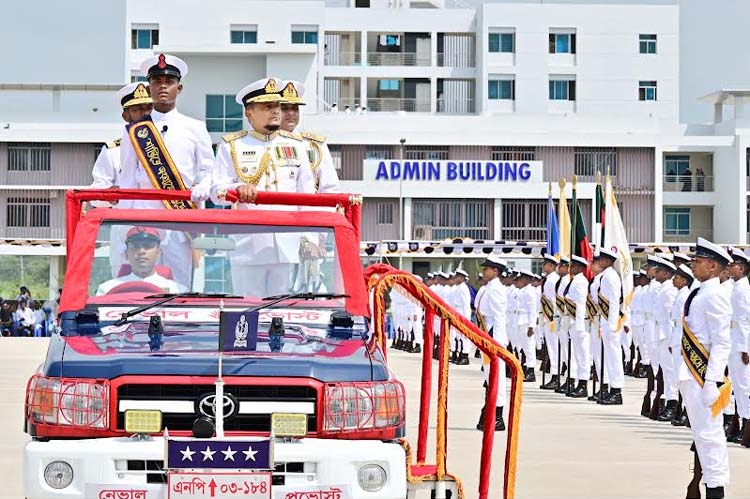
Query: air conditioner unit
[423, 232]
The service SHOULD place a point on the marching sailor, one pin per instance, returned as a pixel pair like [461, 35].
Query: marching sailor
[595, 333]
[683, 280]
[549, 311]
[739, 356]
[266, 159]
[564, 322]
[526, 317]
[706, 345]
[662, 316]
[610, 293]
[650, 357]
[575, 301]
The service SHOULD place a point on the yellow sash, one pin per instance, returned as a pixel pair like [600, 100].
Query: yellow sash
[560, 304]
[603, 306]
[591, 309]
[570, 305]
[549, 312]
[696, 357]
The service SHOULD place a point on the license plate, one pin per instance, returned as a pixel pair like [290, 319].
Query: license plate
[201, 485]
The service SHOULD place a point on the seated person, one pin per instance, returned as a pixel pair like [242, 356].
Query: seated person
[143, 249]
[6, 319]
[25, 319]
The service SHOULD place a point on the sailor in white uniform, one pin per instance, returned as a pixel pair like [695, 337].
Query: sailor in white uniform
[265, 159]
[549, 307]
[595, 332]
[708, 313]
[610, 294]
[526, 317]
[650, 357]
[579, 324]
[663, 302]
[739, 357]
[563, 324]
[683, 280]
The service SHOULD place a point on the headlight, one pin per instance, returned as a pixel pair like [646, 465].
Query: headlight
[371, 477]
[58, 474]
[83, 404]
[349, 407]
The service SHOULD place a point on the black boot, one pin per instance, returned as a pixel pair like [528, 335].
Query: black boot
[477, 354]
[734, 428]
[615, 397]
[714, 492]
[416, 348]
[728, 424]
[682, 420]
[499, 423]
[603, 391]
[463, 359]
[480, 423]
[582, 391]
[669, 411]
[564, 387]
[737, 438]
[529, 376]
[642, 372]
[553, 384]
[436, 351]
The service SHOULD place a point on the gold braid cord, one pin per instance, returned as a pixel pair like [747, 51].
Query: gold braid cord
[487, 345]
[425, 478]
[254, 178]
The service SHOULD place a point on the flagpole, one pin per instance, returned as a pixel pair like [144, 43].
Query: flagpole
[573, 239]
[219, 384]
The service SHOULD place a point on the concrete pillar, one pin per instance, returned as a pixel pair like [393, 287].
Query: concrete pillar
[55, 274]
[718, 113]
[406, 220]
[497, 214]
[658, 195]
[363, 91]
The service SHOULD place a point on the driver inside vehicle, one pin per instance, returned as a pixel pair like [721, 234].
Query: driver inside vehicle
[141, 274]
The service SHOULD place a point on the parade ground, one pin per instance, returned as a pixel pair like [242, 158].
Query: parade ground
[568, 448]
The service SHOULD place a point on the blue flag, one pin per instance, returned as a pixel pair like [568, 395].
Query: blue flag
[238, 331]
[553, 229]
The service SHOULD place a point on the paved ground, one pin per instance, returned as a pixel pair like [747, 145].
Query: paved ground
[568, 448]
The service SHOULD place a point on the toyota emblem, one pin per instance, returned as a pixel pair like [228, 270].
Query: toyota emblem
[207, 406]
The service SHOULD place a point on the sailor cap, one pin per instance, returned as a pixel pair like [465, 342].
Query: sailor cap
[564, 260]
[579, 260]
[133, 94]
[525, 273]
[608, 253]
[461, 272]
[706, 249]
[663, 263]
[738, 255]
[292, 92]
[652, 260]
[685, 272]
[164, 64]
[494, 261]
[265, 90]
[548, 257]
[430, 275]
[678, 258]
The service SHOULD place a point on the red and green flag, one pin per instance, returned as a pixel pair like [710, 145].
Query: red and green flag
[599, 227]
[579, 238]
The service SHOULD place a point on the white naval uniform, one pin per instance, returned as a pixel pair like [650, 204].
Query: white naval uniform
[611, 289]
[167, 285]
[550, 336]
[709, 318]
[728, 287]
[563, 330]
[637, 319]
[511, 314]
[415, 320]
[672, 384]
[492, 304]
[106, 171]
[526, 318]
[739, 373]
[579, 327]
[538, 333]
[462, 303]
[650, 338]
[262, 263]
[595, 336]
[321, 161]
[189, 145]
[662, 316]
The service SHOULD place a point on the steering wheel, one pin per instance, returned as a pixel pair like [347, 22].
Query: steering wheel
[135, 287]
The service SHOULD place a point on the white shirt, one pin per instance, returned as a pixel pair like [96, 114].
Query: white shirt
[740, 327]
[527, 313]
[610, 288]
[167, 285]
[106, 170]
[636, 307]
[676, 317]
[493, 303]
[709, 318]
[25, 316]
[578, 292]
[663, 302]
[326, 177]
[462, 299]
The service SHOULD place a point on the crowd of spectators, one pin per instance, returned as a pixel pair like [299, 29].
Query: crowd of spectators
[28, 317]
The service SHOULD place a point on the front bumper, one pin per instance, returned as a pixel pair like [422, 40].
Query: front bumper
[128, 462]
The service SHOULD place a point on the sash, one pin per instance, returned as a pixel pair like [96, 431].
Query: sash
[696, 357]
[571, 307]
[156, 161]
[560, 301]
[480, 321]
[591, 309]
[603, 306]
[549, 312]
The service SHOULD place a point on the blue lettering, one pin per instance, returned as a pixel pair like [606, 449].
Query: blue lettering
[478, 169]
[395, 170]
[433, 172]
[411, 170]
[465, 170]
[511, 171]
[382, 172]
[452, 174]
[524, 171]
[491, 171]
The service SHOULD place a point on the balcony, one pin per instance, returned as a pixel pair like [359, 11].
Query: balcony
[397, 59]
[455, 106]
[393, 104]
[689, 183]
[456, 60]
[688, 236]
[343, 59]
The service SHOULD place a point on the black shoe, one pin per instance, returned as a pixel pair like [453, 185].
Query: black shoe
[480, 423]
[529, 377]
[714, 492]
[669, 411]
[477, 354]
[737, 437]
[595, 396]
[581, 392]
[615, 398]
[453, 357]
[564, 387]
[680, 421]
[436, 353]
[642, 373]
[499, 423]
[463, 359]
[552, 384]
[628, 371]
[417, 348]
[728, 425]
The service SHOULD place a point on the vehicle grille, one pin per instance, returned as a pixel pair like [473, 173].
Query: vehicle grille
[240, 422]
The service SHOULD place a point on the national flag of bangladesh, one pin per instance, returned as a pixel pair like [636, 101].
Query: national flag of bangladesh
[600, 217]
[579, 237]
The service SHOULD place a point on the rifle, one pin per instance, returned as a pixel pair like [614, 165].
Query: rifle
[601, 381]
[694, 487]
[646, 407]
[546, 364]
[656, 406]
[678, 412]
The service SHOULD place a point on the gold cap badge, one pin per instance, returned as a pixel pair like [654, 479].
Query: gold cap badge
[271, 87]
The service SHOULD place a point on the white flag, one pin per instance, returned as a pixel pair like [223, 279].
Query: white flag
[616, 240]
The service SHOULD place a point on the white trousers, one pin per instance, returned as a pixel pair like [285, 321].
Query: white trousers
[739, 374]
[613, 356]
[595, 340]
[651, 342]
[550, 338]
[572, 368]
[626, 339]
[261, 280]
[582, 352]
[528, 345]
[669, 370]
[639, 343]
[417, 326]
[708, 434]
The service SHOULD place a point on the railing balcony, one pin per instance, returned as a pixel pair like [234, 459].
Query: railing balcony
[455, 106]
[679, 236]
[456, 60]
[397, 59]
[688, 183]
[343, 59]
[398, 104]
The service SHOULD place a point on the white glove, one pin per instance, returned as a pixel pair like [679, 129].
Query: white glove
[200, 192]
[709, 393]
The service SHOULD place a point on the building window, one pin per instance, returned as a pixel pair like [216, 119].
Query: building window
[504, 43]
[562, 43]
[243, 36]
[385, 213]
[451, 218]
[34, 157]
[388, 85]
[377, 152]
[362, 4]
[427, 152]
[28, 212]
[223, 114]
[676, 165]
[305, 37]
[501, 89]
[141, 38]
[513, 153]
[562, 90]
[646, 90]
[336, 157]
[677, 221]
[647, 44]
[524, 219]
[592, 160]
[137, 78]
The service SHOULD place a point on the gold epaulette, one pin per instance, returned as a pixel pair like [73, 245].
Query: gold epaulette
[113, 143]
[314, 137]
[290, 135]
[231, 137]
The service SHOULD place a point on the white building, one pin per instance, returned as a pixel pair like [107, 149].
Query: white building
[568, 88]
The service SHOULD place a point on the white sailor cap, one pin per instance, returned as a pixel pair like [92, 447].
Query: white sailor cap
[494, 261]
[461, 272]
[133, 94]
[608, 253]
[738, 255]
[444, 275]
[685, 272]
[549, 257]
[564, 260]
[579, 260]
[418, 277]
[265, 90]
[480, 275]
[652, 260]
[706, 249]
[537, 276]
[667, 256]
[525, 273]
[164, 64]
[292, 92]
[430, 275]
[664, 264]
[678, 257]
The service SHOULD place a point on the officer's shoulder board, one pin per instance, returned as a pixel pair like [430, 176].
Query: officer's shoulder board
[231, 137]
[290, 135]
[314, 137]
[113, 143]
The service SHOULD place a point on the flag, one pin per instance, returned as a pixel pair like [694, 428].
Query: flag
[238, 331]
[553, 229]
[616, 239]
[580, 238]
[563, 219]
[598, 235]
